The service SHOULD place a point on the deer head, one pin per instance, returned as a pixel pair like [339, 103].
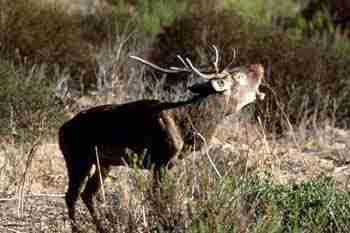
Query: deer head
[240, 85]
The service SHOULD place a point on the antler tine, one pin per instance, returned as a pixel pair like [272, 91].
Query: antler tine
[186, 69]
[216, 62]
[234, 55]
[183, 61]
[194, 69]
[156, 67]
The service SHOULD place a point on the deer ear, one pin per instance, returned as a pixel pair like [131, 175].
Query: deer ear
[221, 84]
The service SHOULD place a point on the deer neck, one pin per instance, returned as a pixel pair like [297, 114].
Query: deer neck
[199, 118]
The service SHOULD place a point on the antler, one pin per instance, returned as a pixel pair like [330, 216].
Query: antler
[156, 67]
[234, 54]
[186, 69]
[215, 63]
[188, 66]
[195, 70]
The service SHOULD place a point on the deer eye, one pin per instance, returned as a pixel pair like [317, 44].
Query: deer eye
[241, 78]
[220, 82]
[221, 85]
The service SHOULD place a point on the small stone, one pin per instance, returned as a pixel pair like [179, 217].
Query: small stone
[326, 165]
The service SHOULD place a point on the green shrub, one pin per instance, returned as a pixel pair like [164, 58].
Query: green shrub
[43, 34]
[199, 202]
[322, 21]
[35, 32]
[312, 206]
[151, 14]
[264, 11]
[28, 107]
[302, 78]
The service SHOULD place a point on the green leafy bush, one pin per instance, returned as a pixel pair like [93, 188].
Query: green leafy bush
[200, 202]
[151, 14]
[264, 11]
[312, 206]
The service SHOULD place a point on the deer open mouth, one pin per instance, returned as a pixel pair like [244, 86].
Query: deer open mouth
[260, 95]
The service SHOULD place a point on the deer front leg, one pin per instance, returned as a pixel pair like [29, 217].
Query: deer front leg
[167, 145]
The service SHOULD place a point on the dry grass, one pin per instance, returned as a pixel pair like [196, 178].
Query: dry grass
[240, 149]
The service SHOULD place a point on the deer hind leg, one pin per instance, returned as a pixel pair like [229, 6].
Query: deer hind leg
[78, 169]
[91, 188]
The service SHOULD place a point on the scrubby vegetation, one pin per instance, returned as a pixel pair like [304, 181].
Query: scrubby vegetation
[55, 62]
[27, 109]
[294, 65]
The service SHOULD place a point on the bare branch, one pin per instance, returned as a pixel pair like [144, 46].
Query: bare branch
[99, 175]
[30, 156]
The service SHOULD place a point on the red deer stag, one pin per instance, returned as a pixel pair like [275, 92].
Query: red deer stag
[159, 131]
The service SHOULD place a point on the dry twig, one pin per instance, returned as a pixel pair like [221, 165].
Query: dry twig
[21, 187]
[100, 175]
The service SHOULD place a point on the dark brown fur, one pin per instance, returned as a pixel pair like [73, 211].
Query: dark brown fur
[159, 131]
